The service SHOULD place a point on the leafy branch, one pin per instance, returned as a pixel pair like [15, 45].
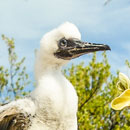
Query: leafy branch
[14, 79]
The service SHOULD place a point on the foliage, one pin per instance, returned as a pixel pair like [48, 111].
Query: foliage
[127, 63]
[96, 88]
[14, 78]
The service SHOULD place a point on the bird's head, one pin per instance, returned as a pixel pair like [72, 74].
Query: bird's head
[64, 43]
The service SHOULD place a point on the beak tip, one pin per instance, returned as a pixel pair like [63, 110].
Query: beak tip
[107, 47]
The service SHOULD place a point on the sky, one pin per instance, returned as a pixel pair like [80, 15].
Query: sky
[28, 20]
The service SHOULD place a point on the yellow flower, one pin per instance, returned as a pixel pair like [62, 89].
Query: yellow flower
[124, 82]
[124, 99]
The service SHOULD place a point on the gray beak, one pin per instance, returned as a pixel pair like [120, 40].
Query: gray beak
[72, 48]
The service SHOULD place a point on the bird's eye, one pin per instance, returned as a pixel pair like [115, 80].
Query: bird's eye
[63, 43]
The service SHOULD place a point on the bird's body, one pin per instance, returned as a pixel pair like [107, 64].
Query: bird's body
[57, 103]
[48, 108]
[53, 104]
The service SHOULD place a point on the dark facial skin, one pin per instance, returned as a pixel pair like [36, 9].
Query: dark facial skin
[72, 48]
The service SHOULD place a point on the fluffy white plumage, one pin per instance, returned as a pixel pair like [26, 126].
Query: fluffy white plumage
[53, 103]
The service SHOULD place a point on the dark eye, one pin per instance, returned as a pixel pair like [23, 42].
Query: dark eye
[63, 43]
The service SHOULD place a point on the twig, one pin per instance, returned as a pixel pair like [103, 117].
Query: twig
[89, 96]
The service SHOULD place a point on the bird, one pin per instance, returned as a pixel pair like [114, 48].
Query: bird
[53, 104]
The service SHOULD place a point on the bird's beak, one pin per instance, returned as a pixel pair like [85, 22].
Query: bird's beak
[76, 48]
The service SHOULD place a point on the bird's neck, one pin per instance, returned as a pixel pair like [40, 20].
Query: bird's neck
[51, 83]
[53, 91]
[45, 73]
[45, 66]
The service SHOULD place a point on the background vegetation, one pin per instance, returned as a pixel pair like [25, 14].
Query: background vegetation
[95, 85]
[14, 79]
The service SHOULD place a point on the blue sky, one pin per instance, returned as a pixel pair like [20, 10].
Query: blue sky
[28, 20]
